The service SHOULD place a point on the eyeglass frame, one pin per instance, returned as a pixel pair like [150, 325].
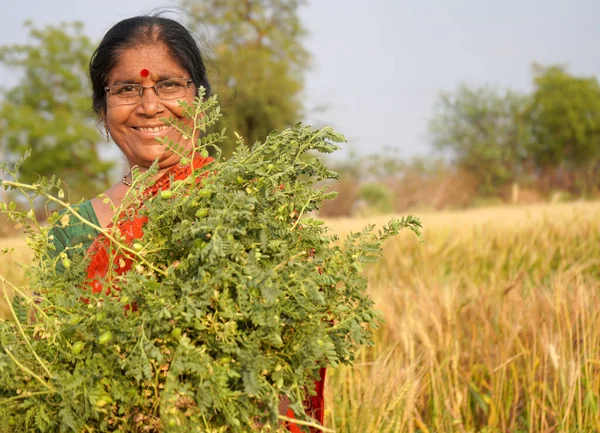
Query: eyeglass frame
[143, 88]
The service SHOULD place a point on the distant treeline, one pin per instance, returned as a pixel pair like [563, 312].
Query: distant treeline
[490, 145]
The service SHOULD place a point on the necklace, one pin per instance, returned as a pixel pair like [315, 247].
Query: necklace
[126, 182]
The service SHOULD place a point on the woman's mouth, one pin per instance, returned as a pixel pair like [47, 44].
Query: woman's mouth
[152, 131]
[151, 128]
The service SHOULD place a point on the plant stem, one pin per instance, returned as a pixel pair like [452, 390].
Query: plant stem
[282, 264]
[24, 295]
[28, 371]
[25, 395]
[300, 215]
[20, 328]
[306, 423]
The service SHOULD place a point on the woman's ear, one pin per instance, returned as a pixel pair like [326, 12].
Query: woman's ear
[105, 125]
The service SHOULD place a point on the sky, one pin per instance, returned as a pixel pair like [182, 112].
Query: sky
[379, 65]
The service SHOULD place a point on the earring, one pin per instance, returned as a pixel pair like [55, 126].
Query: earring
[107, 133]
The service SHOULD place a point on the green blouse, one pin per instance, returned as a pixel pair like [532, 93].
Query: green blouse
[76, 237]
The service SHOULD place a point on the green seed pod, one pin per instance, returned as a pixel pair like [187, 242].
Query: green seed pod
[204, 153]
[77, 347]
[66, 263]
[138, 247]
[205, 193]
[176, 333]
[105, 338]
[184, 161]
[166, 194]
[74, 320]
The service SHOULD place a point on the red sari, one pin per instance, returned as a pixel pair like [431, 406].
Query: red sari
[132, 228]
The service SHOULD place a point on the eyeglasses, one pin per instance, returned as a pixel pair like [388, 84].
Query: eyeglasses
[129, 94]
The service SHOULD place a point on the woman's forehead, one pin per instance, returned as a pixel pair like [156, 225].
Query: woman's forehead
[137, 63]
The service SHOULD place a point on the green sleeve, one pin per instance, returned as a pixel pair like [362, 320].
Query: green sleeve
[75, 237]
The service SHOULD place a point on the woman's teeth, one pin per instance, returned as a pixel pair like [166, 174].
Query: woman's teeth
[155, 129]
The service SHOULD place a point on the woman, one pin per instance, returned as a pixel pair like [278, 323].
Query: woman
[139, 72]
[133, 73]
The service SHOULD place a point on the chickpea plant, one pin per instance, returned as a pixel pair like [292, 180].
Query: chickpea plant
[235, 300]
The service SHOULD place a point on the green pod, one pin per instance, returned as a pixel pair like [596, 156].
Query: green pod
[77, 347]
[74, 320]
[105, 338]
[201, 213]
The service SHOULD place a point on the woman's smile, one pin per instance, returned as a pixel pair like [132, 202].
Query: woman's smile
[153, 132]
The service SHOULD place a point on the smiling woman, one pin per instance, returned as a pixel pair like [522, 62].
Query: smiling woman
[141, 71]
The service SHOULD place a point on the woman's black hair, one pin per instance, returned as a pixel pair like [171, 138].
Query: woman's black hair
[138, 31]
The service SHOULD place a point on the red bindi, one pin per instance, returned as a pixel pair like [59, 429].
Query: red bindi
[144, 73]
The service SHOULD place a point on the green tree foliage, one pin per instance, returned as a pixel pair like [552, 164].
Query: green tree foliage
[256, 48]
[48, 111]
[502, 137]
[482, 129]
[563, 119]
[378, 197]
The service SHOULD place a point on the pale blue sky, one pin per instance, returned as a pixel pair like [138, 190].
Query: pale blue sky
[378, 65]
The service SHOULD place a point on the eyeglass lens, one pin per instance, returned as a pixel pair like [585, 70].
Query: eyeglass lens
[125, 94]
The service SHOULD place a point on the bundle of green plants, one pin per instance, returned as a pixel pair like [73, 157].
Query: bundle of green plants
[235, 300]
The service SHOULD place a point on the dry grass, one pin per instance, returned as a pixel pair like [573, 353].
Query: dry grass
[12, 264]
[492, 325]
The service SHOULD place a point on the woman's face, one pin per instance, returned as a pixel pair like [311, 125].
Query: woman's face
[135, 127]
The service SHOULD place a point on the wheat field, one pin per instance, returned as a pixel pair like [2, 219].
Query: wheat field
[492, 324]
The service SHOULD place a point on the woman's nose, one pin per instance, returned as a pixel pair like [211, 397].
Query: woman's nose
[150, 102]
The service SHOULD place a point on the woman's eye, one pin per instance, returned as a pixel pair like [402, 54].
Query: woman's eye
[127, 90]
[170, 85]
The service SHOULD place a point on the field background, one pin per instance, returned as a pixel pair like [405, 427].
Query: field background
[492, 325]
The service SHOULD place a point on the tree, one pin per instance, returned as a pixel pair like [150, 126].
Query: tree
[482, 128]
[563, 122]
[49, 110]
[260, 62]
